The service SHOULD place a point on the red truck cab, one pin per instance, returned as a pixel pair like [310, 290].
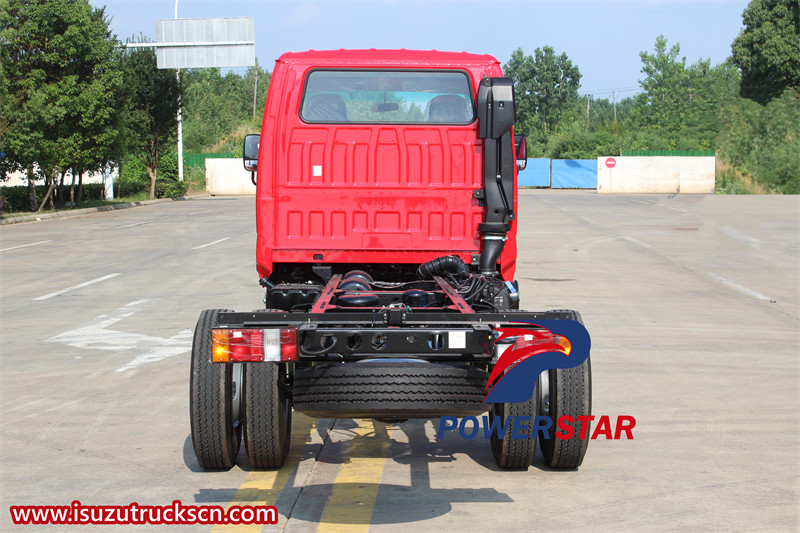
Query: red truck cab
[373, 157]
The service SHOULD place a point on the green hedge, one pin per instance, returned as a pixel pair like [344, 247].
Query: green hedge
[135, 180]
[676, 153]
[16, 198]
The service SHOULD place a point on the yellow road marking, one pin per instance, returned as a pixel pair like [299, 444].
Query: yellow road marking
[352, 501]
[262, 487]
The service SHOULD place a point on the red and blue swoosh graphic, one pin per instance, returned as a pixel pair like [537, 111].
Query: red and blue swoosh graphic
[539, 346]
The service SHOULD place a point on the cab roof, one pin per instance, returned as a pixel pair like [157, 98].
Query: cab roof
[395, 58]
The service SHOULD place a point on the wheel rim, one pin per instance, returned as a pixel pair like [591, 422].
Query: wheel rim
[543, 390]
[236, 393]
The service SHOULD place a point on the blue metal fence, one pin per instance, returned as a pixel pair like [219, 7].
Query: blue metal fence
[559, 173]
[536, 174]
[574, 174]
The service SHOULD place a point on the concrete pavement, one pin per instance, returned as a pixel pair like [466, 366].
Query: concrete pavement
[693, 303]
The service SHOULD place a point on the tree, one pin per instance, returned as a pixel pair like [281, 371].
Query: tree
[767, 49]
[762, 142]
[60, 77]
[665, 86]
[152, 111]
[709, 88]
[257, 79]
[215, 107]
[29, 77]
[546, 86]
[211, 106]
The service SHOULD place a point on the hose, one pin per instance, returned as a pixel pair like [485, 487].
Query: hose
[448, 264]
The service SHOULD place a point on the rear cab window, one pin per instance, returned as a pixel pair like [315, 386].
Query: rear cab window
[387, 97]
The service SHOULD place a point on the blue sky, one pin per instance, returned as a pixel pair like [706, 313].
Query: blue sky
[602, 37]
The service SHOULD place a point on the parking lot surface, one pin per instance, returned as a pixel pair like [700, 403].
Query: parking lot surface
[693, 304]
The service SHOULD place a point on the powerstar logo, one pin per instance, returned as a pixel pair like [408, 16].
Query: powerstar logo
[530, 349]
[554, 344]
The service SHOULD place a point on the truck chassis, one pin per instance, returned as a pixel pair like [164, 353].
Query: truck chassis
[387, 248]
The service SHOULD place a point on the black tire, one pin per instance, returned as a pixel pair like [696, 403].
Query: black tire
[570, 393]
[267, 414]
[389, 390]
[510, 453]
[216, 430]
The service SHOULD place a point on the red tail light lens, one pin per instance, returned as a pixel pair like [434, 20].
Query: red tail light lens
[246, 345]
[542, 337]
[289, 344]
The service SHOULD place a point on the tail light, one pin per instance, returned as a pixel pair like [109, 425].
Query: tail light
[542, 338]
[250, 345]
[246, 345]
[289, 344]
[529, 342]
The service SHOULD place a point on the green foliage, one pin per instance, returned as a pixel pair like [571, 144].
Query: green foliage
[71, 99]
[195, 177]
[362, 108]
[152, 108]
[217, 107]
[546, 87]
[764, 141]
[695, 107]
[134, 178]
[168, 185]
[16, 197]
[665, 89]
[60, 86]
[170, 188]
[767, 49]
[679, 108]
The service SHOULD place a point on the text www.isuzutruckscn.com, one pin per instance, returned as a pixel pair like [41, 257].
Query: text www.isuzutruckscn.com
[175, 514]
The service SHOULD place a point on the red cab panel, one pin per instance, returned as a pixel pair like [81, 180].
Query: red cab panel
[372, 156]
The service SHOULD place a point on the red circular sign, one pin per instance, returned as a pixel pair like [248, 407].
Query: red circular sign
[611, 162]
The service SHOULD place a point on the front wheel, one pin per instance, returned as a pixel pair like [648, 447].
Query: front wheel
[214, 400]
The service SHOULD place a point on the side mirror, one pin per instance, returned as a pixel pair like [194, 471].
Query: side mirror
[250, 157]
[521, 149]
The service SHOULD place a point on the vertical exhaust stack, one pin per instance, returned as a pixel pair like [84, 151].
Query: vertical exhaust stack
[496, 116]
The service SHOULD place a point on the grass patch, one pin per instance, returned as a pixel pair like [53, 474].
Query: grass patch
[731, 180]
[195, 177]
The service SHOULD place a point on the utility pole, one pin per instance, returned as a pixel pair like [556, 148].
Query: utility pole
[615, 107]
[180, 116]
[255, 91]
[588, 100]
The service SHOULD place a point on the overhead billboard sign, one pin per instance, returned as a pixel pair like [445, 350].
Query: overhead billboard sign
[200, 43]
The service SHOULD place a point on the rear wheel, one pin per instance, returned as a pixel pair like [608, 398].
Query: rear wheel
[565, 392]
[510, 452]
[214, 400]
[267, 414]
